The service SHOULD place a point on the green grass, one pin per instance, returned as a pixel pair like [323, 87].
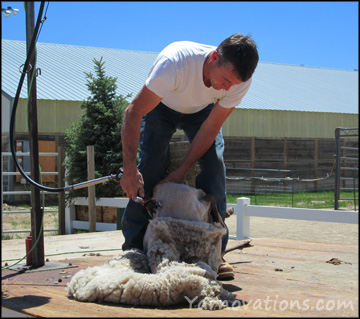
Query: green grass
[6, 237]
[298, 200]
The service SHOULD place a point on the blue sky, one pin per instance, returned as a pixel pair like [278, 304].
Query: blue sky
[318, 34]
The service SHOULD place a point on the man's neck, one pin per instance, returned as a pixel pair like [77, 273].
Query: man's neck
[206, 65]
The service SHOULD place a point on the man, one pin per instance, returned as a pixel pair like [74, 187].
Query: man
[193, 87]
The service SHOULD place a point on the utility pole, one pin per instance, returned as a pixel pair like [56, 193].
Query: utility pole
[36, 209]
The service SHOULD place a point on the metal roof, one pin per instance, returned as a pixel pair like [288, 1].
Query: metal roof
[63, 66]
[302, 88]
[275, 86]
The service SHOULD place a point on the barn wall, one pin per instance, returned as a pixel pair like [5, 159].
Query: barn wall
[298, 141]
[280, 124]
[55, 116]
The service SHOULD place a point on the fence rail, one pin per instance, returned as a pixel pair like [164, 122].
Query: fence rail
[24, 231]
[242, 210]
[27, 211]
[27, 173]
[23, 192]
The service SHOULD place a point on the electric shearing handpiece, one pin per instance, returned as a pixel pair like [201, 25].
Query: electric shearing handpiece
[149, 204]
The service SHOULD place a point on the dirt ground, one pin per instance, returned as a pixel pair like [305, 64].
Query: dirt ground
[337, 233]
[22, 221]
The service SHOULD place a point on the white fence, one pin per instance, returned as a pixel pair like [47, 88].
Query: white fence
[70, 214]
[242, 210]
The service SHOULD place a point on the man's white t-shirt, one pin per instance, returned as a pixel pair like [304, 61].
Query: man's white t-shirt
[177, 77]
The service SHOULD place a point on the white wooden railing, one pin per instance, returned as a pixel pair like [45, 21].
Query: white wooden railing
[70, 214]
[242, 210]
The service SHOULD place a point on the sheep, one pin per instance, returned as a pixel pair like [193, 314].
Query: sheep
[180, 263]
[181, 201]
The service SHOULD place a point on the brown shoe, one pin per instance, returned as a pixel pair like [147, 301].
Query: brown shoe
[226, 271]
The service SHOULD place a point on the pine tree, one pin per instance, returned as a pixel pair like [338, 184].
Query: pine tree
[99, 125]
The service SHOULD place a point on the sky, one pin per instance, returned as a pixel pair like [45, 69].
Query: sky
[316, 34]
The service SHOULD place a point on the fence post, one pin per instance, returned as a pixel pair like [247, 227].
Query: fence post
[337, 169]
[61, 195]
[91, 189]
[242, 220]
[70, 215]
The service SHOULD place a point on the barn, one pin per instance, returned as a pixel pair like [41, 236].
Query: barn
[285, 125]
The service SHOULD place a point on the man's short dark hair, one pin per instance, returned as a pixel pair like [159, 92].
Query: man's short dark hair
[241, 52]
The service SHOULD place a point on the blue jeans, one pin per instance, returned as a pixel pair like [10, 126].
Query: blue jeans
[157, 129]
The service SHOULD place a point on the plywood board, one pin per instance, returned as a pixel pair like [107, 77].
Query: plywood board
[274, 278]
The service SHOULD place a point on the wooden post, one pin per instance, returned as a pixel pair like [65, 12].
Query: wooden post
[91, 189]
[242, 220]
[38, 256]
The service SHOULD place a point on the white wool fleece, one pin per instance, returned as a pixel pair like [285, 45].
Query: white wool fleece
[181, 262]
[128, 279]
[117, 282]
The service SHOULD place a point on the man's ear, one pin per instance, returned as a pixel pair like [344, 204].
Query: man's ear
[214, 56]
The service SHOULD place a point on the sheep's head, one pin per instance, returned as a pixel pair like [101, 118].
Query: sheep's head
[184, 202]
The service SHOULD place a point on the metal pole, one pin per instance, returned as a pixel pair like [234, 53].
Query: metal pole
[61, 195]
[337, 169]
[354, 191]
[36, 211]
[2, 185]
[292, 192]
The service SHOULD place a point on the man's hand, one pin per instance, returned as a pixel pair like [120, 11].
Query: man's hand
[132, 181]
[133, 184]
[201, 142]
[175, 177]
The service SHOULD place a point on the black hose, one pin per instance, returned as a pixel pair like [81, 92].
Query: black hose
[12, 124]
[16, 101]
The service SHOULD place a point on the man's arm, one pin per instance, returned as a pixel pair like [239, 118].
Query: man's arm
[146, 100]
[201, 142]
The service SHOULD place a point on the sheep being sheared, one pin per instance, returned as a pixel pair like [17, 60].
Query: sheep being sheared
[180, 201]
[181, 262]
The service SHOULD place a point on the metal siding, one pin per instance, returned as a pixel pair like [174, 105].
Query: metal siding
[279, 124]
[56, 116]
[71, 112]
[53, 116]
[63, 113]
[5, 114]
[21, 117]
